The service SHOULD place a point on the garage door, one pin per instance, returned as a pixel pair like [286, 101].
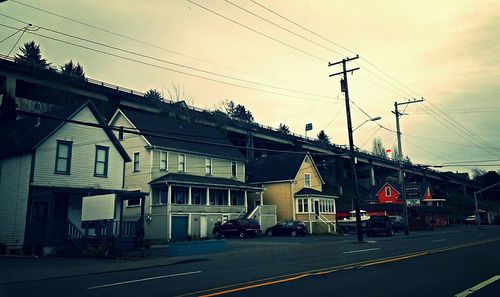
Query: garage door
[179, 228]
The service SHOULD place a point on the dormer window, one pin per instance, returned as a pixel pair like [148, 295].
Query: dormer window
[387, 191]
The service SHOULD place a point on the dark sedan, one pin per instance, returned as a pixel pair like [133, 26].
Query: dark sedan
[291, 228]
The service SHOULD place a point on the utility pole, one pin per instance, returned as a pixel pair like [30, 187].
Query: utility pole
[400, 161]
[478, 221]
[344, 88]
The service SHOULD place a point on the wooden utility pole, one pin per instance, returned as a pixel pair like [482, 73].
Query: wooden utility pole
[400, 161]
[345, 89]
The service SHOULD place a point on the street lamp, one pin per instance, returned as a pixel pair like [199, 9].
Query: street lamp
[369, 120]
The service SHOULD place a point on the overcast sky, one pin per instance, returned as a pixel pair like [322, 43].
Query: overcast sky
[447, 52]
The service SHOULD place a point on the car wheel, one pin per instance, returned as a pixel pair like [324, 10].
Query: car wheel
[241, 234]
[269, 233]
[293, 233]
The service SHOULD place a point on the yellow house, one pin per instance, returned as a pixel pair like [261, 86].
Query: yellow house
[294, 184]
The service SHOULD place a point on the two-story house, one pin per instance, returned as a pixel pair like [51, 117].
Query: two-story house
[48, 163]
[194, 175]
[294, 184]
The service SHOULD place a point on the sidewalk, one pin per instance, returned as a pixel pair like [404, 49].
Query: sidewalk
[21, 269]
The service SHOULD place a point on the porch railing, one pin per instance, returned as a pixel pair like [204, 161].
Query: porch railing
[327, 222]
[75, 235]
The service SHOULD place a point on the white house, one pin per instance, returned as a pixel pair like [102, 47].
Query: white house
[47, 164]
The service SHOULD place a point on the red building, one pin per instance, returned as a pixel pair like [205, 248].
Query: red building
[424, 209]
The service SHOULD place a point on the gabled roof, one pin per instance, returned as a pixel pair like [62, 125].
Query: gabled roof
[26, 134]
[204, 181]
[423, 186]
[279, 167]
[377, 189]
[180, 135]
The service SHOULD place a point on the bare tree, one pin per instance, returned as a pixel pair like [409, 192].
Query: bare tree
[378, 148]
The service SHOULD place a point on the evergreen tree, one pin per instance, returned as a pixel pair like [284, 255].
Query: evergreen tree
[153, 94]
[31, 54]
[73, 70]
[284, 129]
[323, 137]
[378, 148]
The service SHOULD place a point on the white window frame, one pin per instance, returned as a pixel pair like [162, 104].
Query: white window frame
[307, 180]
[388, 191]
[183, 163]
[208, 166]
[235, 173]
[163, 161]
[138, 160]
[303, 202]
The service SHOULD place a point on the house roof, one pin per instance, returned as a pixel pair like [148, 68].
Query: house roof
[304, 192]
[181, 135]
[188, 179]
[421, 186]
[26, 134]
[279, 167]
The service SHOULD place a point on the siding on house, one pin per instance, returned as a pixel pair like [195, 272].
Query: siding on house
[307, 167]
[14, 185]
[84, 140]
[280, 194]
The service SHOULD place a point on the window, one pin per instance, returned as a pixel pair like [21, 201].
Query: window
[302, 205]
[163, 161]
[218, 197]
[237, 197]
[134, 202]
[63, 157]
[179, 195]
[326, 206]
[160, 196]
[182, 163]
[307, 180]
[233, 169]
[208, 166]
[387, 191]
[101, 161]
[137, 162]
[198, 196]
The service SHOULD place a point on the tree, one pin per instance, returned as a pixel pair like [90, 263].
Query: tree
[153, 94]
[31, 54]
[284, 129]
[73, 70]
[378, 148]
[323, 137]
[395, 154]
[238, 111]
[178, 93]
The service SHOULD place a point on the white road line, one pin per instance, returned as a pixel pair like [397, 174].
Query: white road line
[478, 286]
[360, 251]
[142, 280]
[438, 240]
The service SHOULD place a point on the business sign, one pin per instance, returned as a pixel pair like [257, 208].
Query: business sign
[412, 202]
[412, 192]
[99, 207]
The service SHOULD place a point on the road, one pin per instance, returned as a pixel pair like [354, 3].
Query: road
[443, 264]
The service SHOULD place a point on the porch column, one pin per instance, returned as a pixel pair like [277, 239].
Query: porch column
[208, 196]
[169, 212]
[261, 198]
[229, 197]
[246, 200]
[189, 195]
[121, 219]
[141, 219]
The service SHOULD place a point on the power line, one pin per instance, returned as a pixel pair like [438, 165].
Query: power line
[169, 69]
[177, 64]
[256, 31]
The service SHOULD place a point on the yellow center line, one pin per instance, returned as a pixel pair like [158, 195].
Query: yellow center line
[322, 271]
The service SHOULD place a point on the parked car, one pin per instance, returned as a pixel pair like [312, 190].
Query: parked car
[379, 225]
[470, 220]
[238, 227]
[397, 223]
[292, 228]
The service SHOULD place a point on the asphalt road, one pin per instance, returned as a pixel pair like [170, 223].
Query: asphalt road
[435, 265]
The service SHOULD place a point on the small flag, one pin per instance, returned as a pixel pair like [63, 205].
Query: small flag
[388, 150]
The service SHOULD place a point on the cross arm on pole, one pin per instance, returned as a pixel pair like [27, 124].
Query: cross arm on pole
[342, 72]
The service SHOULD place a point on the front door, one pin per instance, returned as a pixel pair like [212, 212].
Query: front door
[39, 218]
[203, 226]
[316, 208]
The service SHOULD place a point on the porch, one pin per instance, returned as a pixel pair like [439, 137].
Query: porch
[316, 210]
[56, 220]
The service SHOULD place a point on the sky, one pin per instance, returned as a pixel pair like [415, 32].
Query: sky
[272, 57]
